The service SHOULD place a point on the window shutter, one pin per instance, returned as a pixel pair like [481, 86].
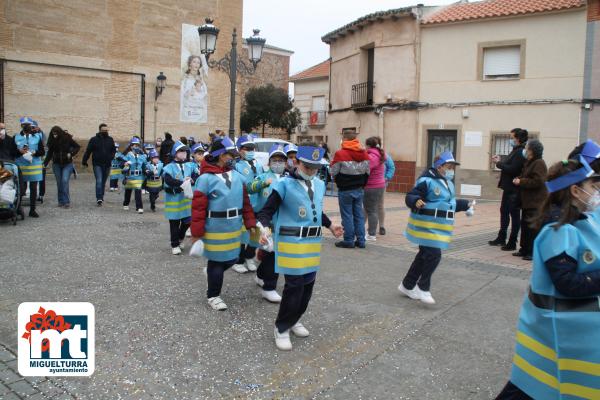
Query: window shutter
[501, 61]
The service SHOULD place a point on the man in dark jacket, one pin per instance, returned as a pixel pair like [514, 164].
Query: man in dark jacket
[511, 167]
[102, 149]
[165, 149]
[8, 148]
[350, 170]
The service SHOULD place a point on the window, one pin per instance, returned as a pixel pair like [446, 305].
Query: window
[317, 114]
[501, 145]
[501, 60]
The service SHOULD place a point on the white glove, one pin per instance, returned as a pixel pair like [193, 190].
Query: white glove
[471, 211]
[197, 249]
[28, 156]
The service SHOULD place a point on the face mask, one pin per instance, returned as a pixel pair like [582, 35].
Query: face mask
[305, 176]
[512, 142]
[137, 150]
[290, 162]
[449, 174]
[249, 156]
[277, 167]
[230, 163]
[525, 154]
[2, 133]
[593, 201]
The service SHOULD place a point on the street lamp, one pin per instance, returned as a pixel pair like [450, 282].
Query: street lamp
[161, 84]
[230, 64]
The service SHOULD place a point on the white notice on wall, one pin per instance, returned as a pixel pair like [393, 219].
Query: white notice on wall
[473, 139]
[470, 190]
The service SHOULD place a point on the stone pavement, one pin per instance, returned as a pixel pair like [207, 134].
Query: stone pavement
[156, 337]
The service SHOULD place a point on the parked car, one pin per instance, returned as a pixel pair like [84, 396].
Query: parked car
[263, 145]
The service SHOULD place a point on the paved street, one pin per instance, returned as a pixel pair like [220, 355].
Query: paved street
[157, 338]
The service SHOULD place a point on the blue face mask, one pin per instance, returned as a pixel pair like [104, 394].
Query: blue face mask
[230, 163]
[249, 156]
[449, 174]
[525, 154]
[512, 142]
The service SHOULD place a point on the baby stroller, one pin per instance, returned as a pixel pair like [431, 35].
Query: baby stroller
[9, 208]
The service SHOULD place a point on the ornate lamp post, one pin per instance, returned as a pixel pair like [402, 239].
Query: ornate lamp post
[230, 63]
[161, 84]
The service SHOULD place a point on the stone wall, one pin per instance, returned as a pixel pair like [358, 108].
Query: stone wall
[136, 36]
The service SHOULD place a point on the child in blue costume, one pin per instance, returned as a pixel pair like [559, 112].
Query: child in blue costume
[557, 353]
[249, 168]
[133, 170]
[42, 184]
[220, 208]
[433, 206]
[154, 170]
[31, 147]
[116, 169]
[295, 207]
[178, 208]
[291, 151]
[266, 277]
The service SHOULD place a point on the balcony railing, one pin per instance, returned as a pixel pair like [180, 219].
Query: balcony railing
[362, 94]
[317, 118]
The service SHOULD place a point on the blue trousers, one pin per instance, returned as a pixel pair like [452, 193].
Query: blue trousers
[353, 217]
[62, 173]
[101, 174]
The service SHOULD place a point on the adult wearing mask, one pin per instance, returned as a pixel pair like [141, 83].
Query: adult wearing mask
[511, 167]
[8, 148]
[350, 171]
[165, 149]
[61, 150]
[102, 149]
[532, 183]
[30, 147]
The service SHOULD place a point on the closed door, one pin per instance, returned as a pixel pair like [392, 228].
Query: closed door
[440, 140]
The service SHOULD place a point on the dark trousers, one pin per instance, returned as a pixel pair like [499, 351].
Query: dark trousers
[421, 269]
[137, 195]
[266, 270]
[33, 188]
[528, 234]
[114, 183]
[214, 274]
[510, 212]
[153, 197]
[247, 252]
[42, 191]
[178, 227]
[511, 392]
[101, 173]
[294, 300]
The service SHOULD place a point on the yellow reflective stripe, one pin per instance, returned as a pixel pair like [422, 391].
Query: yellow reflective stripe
[429, 236]
[31, 166]
[584, 367]
[299, 248]
[153, 184]
[580, 391]
[221, 247]
[535, 372]
[175, 209]
[176, 203]
[536, 346]
[290, 262]
[430, 225]
[222, 236]
[31, 173]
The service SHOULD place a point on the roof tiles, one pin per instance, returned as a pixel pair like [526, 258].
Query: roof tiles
[320, 70]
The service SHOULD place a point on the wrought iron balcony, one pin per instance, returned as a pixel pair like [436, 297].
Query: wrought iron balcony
[317, 118]
[362, 94]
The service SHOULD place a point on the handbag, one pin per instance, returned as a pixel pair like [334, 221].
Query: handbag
[8, 192]
[188, 192]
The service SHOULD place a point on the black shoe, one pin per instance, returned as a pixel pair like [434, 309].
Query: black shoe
[33, 214]
[344, 245]
[40, 199]
[519, 254]
[497, 242]
[527, 257]
[382, 231]
[153, 208]
[99, 203]
[359, 245]
[509, 247]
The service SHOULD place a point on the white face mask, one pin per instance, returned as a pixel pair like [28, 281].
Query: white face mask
[593, 201]
[277, 167]
[305, 176]
[2, 133]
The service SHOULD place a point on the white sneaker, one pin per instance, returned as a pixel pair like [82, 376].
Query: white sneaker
[426, 297]
[140, 210]
[271, 296]
[299, 330]
[369, 238]
[412, 293]
[239, 268]
[181, 245]
[252, 264]
[217, 303]
[282, 340]
[126, 208]
[259, 281]
[144, 191]
[176, 251]
[188, 233]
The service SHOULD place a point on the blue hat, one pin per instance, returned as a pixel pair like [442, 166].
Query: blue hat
[277, 149]
[310, 155]
[445, 158]
[590, 151]
[153, 153]
[245, 140]
[573, 177]
[290, 148]
[198, 147]
[221, 146]
[25, 120]
[178, 146]
[134, 140]
[34, 123]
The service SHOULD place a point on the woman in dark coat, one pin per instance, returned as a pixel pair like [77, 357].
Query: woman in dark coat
[532, 183]
[61, 150]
